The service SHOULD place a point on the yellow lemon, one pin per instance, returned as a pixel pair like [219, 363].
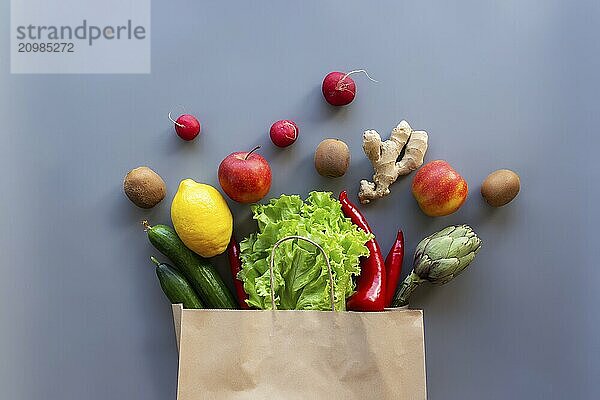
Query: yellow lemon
[201, 218]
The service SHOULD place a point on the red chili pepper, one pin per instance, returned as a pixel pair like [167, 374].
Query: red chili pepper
[393, 268]
[370, 287]
[233, 252]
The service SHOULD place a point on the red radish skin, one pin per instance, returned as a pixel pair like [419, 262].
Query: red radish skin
[186, 126]
[284, 133]
[339, 88]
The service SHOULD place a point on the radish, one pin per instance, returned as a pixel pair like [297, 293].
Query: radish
[284, 132]
[186, 126]
[339, 89]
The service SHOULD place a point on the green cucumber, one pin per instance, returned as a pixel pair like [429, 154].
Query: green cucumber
[200, 273]
[175, 286]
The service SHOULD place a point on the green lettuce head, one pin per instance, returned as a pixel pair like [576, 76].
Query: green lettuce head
[301, 279]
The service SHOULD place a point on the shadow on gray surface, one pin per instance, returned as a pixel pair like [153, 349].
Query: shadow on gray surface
[314, 109]
[123, 213]
[170, 143]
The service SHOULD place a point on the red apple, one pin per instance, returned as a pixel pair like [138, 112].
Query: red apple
[245, 176]
[439, 189]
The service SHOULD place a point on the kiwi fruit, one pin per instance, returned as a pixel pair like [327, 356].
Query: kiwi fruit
[500, 187]
[144, 187]
[332, 158]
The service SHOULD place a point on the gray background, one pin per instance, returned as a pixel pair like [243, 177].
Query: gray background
[507, 84]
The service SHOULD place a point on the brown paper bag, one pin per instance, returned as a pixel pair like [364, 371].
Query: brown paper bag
[300, 354]
[270, 354]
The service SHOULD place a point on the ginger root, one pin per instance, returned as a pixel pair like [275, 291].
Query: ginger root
[383, 156]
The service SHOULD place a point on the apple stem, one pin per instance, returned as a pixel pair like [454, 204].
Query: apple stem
[175, 122]
[251, 151]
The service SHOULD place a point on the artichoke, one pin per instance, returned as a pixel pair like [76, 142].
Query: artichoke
[439, 258]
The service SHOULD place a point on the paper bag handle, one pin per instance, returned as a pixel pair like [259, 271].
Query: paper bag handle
[272, 268]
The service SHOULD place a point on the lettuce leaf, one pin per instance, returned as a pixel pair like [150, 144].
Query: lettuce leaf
[301, 279]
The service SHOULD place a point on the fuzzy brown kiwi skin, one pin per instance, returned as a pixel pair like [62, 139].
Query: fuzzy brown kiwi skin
[144, 187]
[332, 158]
[500, 187]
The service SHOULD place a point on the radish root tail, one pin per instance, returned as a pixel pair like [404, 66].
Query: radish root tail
[356, 71]
[175, 122]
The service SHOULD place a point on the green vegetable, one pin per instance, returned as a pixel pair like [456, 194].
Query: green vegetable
[175, 286]
[439, 258]
[203, 277]
[301, 279]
